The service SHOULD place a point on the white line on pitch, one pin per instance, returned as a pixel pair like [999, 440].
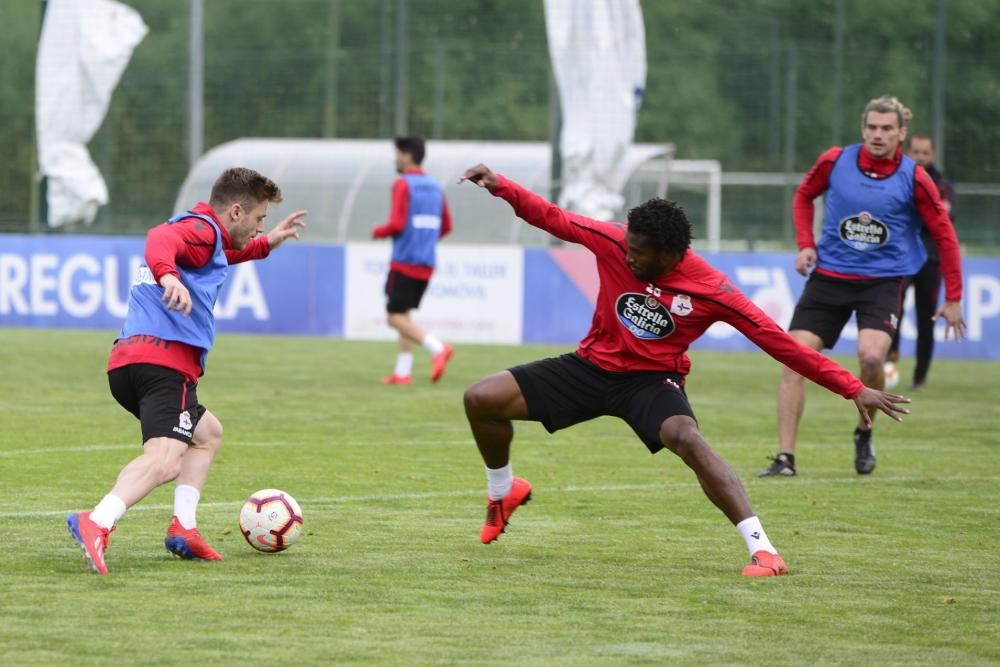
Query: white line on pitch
[41, 451]
[604, 488]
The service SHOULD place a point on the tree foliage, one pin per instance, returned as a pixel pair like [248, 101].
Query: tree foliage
[749, 83]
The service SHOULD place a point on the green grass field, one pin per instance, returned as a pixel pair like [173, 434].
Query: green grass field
[619, 559]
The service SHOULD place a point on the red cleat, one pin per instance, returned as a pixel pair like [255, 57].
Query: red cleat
[498, 511]
[765, 564]
[188, 543]
[93, 539]
[439, 362]
[397, 379]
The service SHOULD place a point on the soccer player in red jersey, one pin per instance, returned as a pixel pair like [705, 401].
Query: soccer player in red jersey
[159, 355]
[656, 297]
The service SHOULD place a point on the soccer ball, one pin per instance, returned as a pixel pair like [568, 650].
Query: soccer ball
[891, 375]
[270, 520]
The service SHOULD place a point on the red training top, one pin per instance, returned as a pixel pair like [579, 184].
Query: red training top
[189, 243]
[642, 326]
[397, 224]
[925, 196]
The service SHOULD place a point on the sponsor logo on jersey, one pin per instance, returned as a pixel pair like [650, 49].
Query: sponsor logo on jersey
[644, 316]
[681, 305]
[425, 221]
[863, 232]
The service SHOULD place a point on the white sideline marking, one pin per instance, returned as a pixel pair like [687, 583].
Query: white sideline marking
[605, 488]
[235, 445]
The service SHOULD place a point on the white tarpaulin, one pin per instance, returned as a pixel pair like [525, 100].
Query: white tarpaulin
[598, 51]
[84, 48]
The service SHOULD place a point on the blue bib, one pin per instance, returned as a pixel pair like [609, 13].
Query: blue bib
[871, 226]
[418, 242]
[148, 314]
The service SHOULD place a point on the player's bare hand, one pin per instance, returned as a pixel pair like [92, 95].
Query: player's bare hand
[175, 295]
[890, 404]
[952, 313]
[805, 261]
[287, 229]
[480, 175]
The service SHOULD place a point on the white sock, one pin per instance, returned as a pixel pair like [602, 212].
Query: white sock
[432, 344]
[754, 535]
[108, 511]
[404, 364]
[186, 499]
[499, 481]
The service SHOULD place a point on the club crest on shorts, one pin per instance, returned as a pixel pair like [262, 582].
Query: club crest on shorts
[644, 316]
[185, 421]
[681, 305]
[863, 231]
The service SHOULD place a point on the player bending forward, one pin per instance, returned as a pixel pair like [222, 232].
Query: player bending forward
[656, 297]
[157, 359]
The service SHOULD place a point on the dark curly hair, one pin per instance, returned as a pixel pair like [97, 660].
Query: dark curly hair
[663, 223]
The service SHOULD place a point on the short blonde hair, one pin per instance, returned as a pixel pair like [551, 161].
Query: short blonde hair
[888, 104]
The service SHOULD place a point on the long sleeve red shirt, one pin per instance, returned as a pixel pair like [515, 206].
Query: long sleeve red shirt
[398, 213]
[677, 307]
[926, 199]
[189, 243]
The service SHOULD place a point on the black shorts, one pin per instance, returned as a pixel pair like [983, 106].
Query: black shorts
[404, 292]
[563, 391]
[163, 400]
[827, 303]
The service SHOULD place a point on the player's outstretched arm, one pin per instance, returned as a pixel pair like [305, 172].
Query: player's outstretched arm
[480, 175]
[286, 229]
[888, 403]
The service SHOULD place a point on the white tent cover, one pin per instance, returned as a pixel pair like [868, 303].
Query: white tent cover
[345, 184]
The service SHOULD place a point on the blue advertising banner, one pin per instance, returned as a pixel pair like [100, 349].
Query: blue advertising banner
[561, 287]
[83, 282]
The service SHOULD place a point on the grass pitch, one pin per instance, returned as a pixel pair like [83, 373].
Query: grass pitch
[619, 559]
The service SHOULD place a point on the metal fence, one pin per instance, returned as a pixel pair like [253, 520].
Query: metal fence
[764, 102]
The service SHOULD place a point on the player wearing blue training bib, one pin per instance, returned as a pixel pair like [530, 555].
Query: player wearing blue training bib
[876, 202]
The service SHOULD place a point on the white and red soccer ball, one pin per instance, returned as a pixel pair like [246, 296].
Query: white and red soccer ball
[271, 520]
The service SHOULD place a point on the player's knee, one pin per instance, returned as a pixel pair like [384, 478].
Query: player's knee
[474, 399]
[871, 362]
[788, 375]
[479, 399]
[209, 433]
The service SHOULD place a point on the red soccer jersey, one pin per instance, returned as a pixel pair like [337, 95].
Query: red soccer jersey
[643, 326]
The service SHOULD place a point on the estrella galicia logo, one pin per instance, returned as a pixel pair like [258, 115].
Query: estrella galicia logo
[644, 316]
[863, 232]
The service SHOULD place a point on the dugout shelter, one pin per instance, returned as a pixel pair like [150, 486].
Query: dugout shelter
[345, 184]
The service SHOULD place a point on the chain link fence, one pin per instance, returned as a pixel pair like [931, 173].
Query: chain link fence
[754, 89]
